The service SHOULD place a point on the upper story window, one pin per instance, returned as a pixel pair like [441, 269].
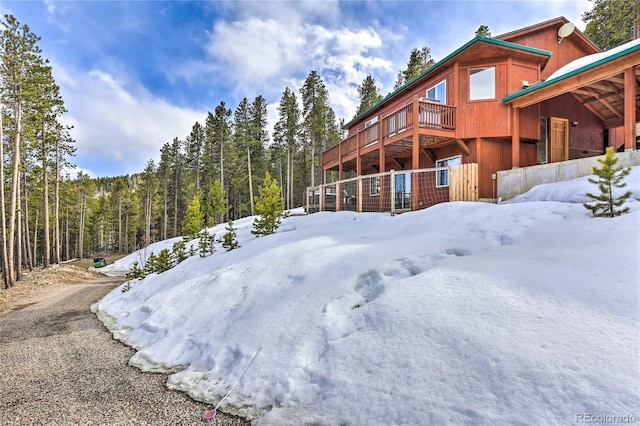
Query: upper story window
[438, 92]
[482, 83]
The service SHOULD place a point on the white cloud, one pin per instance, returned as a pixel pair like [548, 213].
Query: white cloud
[260, 52]
[118, 127]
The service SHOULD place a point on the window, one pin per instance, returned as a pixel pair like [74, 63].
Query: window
[442, 174]
[438, 92]
[482, 84]
[374, 185]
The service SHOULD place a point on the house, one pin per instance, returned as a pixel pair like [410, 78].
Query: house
[541, 94]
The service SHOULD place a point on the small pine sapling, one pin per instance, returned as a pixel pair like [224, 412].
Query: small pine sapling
[179, 252]
[269, 207]
[163, 261]
[135, 272]
[150, 267]
[606, 204]
[229, 241]
[206, 243]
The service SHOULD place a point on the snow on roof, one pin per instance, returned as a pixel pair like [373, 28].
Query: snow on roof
[590, 59]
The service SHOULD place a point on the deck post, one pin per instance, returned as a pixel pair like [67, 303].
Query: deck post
[630, 107]
[515, 138]
[321, 199]
[392, 177]
[415, 154]
[359, 194]
[382, 177]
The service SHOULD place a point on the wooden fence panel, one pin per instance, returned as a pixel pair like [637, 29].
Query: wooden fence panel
[463, 182]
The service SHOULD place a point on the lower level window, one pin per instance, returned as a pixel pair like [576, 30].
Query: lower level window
[442, 166]
[374, 185]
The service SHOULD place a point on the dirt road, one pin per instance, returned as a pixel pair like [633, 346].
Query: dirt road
[59, 366]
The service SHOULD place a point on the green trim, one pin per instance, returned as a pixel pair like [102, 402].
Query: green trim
[440, 63]
[571, 73]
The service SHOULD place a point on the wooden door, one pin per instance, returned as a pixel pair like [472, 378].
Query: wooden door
[559, 146]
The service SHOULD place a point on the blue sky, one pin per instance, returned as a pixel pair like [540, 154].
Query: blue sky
[136, 74]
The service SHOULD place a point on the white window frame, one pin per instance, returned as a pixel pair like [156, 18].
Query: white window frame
[442, 170]
[471, 84]
[374, 183]
[444, 84]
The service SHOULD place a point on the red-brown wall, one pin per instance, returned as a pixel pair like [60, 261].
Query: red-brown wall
[587, 138]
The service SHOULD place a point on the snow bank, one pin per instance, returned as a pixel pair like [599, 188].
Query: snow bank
[461, 313]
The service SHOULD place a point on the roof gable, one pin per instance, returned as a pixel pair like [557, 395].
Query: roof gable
[541, 55]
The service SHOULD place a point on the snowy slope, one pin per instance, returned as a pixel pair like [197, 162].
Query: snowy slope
[461, 313]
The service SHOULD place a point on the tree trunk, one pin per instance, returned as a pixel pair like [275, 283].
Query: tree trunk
[81, 228]
[19, 237]
[66, 238]
[35, 238]
[222, 180]
[46, 257]
[15, 179]
[30, 258]
[56, 208]
[120, 245]
[250, 179]
[3, 214]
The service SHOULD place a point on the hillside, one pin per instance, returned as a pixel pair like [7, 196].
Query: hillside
[460, 313]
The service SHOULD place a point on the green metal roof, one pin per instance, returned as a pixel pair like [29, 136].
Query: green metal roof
[634, 47]
[440, 63]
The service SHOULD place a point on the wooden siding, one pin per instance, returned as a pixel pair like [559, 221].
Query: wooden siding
[483, 118]
[570, 48]
[586, 139]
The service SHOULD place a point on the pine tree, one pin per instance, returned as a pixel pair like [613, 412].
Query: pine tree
[286, 135]
[229, 241]
[179, 252]
[369, 95]
[419, 61]
[269, 207]
[610, 23]
[193, 218]
[606, 204]
[216, 204]
[483, 30]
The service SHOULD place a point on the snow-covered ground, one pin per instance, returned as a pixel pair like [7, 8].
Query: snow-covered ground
[464, 313]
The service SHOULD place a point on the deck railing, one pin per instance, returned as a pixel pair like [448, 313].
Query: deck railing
[396, 191]
[437, 115]
[431, 114]
[398, 121]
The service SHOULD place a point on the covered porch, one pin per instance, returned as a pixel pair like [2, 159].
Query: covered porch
[606, 84]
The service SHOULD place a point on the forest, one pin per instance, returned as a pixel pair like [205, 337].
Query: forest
[48, 217]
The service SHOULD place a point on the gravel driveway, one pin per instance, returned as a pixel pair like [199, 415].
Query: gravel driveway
[60, 366]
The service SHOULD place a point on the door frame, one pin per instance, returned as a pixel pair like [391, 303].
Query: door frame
[565, 122]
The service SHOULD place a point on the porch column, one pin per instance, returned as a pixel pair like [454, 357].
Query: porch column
[515, 137]
[382, 178]
[415, 153]
[630, 107]
[339, 185]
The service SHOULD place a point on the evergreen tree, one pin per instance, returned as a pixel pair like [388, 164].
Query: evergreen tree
[419, 61]
[269, 207]
[606, 204]
[193, 219]
[369, 95]
[216, 204]
[610, 23]
[483, 30]
[286, 135]
[179, 252]
[318, 121]
[229, 241]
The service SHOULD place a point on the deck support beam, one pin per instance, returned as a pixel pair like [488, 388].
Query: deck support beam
[515, 137]
[630, 92]
[415, 153]
[463, 146]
